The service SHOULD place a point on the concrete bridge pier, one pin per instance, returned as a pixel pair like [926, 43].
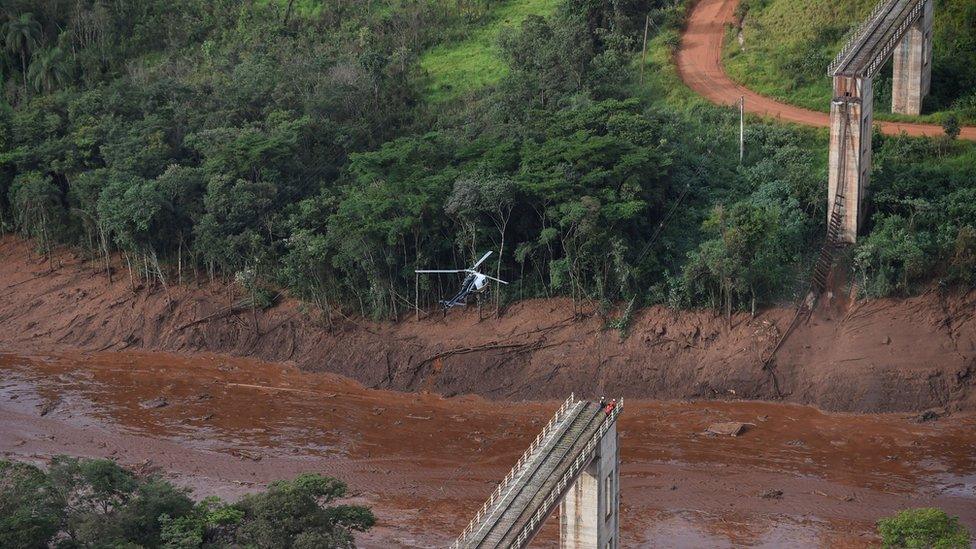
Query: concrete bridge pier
[589, 513]
[912, 60]
[851, 117]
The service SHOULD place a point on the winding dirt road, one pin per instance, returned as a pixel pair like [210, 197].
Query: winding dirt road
[700, 65]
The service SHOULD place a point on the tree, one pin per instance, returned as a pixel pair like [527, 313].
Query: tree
[97, 503]
[295, 513]
[21, 35]
[152, 499]
[29, 509]
[211, 523]
[951, 126]
[388, 214]
[139, 217]
[481, 198]
[894, 257]
[235, 230]
[47, 70]
[751, 256]
[38, 201]
[597, 177]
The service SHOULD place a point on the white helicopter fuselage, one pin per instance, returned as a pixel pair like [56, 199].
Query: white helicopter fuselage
[480, 281]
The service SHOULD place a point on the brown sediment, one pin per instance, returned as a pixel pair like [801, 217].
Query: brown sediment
[228, 426]
[871, 356]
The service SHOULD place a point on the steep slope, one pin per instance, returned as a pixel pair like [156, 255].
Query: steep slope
[887, 355]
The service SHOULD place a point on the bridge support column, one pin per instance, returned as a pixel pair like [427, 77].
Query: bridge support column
[851, 117]
[589, 514]
[912, 60]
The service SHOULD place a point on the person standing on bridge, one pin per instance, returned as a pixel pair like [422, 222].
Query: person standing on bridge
[609, 407]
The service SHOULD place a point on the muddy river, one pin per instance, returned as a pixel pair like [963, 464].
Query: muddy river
[226, 426]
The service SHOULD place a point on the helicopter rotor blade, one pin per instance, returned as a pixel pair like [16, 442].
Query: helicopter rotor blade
[496, 279]
[439, 271]
[484, 257]
[484, 275]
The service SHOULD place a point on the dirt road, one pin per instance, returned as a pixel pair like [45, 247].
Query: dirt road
[699, 62]
[228, 426]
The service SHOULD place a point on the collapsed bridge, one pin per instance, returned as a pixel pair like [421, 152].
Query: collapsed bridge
[573, 463]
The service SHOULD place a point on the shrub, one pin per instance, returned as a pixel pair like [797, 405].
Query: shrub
[923, 527]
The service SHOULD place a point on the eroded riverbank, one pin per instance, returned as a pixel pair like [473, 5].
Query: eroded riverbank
[891, 355]
[229, 425]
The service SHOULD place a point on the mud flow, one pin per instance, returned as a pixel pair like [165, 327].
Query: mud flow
[227, 426]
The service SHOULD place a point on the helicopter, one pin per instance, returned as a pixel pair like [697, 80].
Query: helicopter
[475, 283]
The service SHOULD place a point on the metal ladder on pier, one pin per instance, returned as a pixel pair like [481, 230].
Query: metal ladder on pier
[825, 261]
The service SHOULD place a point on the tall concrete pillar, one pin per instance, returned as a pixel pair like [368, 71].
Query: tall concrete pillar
[912, 60]
[589, 514]
[851, 117]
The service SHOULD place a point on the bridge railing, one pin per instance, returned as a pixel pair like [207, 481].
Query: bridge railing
[882, 56]
[519, 465]
[582, 460]
[857, 35]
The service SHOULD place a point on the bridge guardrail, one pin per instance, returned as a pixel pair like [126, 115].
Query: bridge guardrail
[515, 470]
[856, 36]
[570, 475]
[882, 56]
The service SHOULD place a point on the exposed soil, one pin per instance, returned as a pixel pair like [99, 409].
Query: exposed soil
[874, 356]
[796, 477]
[699, 61]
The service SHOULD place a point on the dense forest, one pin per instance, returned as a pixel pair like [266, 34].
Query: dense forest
[96, 503]
[329, 149]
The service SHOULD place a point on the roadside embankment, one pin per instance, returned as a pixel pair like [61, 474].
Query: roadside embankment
[873, 356]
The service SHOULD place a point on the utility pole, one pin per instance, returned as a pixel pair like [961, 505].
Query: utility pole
[742, 128]
[647, 20]
[416, 295]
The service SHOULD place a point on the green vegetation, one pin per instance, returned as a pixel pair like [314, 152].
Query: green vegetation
[96, 503]
[476, 60]
[924, 215]
[304, 151]
[926, 528]
[786, 47]
[296, 8]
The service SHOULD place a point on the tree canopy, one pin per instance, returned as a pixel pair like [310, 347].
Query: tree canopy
[96, 503]
[304, 148]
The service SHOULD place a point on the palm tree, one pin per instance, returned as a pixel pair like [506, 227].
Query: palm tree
[47, 70]
[21, 34]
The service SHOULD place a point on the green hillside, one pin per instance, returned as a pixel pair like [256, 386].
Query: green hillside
[476, 60]
[785, 47]
[328, 150]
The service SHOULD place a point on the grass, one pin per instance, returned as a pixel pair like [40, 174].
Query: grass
[662, 85]
[661, 80]
[300, 9]
[786, 46]
[474, 62]
[778, 35]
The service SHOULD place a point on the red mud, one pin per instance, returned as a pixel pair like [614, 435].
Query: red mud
[874, 356]
[227, 426]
